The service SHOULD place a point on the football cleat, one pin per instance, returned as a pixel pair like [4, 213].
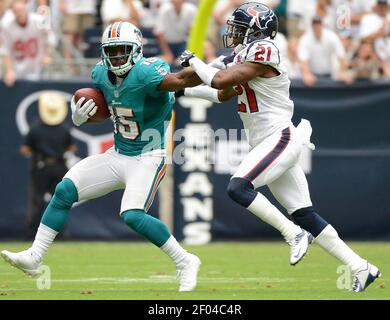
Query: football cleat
[187, 273]
[364, 277]
[24, 260]
[299, 246]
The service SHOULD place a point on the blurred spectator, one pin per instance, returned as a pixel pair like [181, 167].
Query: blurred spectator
[375, 28]
[150, 12]
[121, 10]
[292, 61]
[3, 8]
[224, 9]
[270, 3]
[78, 16]
[26, 42]
[47, 142]
[209, 51]
[282, 44]
[317, 49]
[350, 44]
[5, 11]
[173, 25]
[297, 15]
[50, 9]
[365, 65]
[319, 8]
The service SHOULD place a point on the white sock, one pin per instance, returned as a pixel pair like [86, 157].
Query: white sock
[43, 239]
[267, 212]
[330, 241]
[174, 250]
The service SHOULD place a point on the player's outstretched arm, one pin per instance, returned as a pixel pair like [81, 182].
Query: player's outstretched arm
[180, 80]
[210, 94]
[223, 79]
[188, 78]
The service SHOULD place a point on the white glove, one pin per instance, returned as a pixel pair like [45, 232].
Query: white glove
[81, 114]
[218, 63]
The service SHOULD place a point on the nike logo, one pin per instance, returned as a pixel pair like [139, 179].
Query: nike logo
[297, 255]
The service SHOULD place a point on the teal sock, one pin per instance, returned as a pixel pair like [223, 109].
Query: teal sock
[56, 213]
[151, 228]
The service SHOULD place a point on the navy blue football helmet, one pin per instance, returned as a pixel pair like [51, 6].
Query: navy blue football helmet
[250, 21]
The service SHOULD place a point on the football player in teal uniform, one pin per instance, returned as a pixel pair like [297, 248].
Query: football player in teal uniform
[137, 93]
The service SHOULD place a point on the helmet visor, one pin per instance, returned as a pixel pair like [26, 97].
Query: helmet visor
[235, 35]
[117, 54]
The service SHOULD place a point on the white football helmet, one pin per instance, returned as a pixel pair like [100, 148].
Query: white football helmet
[121, 47]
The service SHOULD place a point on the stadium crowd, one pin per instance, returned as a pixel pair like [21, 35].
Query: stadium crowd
[344, 40]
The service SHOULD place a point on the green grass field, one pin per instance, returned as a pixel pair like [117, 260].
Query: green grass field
[254, 270]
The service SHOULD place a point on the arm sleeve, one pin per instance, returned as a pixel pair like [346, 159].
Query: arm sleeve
[203, 92]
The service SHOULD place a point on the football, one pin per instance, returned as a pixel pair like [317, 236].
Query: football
[102, 113]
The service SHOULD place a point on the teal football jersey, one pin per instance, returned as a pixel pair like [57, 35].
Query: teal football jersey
[140, 112]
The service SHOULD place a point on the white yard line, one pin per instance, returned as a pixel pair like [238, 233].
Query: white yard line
[154, 279]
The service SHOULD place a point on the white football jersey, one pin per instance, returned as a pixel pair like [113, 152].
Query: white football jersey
[25, 45]
[264, 104]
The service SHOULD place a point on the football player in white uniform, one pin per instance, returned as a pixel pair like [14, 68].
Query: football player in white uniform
[260, 80]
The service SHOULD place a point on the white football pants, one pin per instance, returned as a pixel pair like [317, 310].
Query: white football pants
[140, 177]
[274, 162]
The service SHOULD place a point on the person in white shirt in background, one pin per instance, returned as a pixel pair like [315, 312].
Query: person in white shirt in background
[78, 16]
[173, 25]
[26, 42]
[150, 12]
[121, 10]
[317, 50]
[320, 8]
[292, 63]
[375, 28]
[297, 14]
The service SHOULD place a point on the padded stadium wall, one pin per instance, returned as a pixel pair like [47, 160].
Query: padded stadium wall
[348, 173]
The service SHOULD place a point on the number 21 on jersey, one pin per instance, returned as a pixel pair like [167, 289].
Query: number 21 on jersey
[250, 96]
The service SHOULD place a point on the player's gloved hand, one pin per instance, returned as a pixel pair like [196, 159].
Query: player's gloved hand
[81, 112]
[218, 63]
[179, 93]
[185, 58]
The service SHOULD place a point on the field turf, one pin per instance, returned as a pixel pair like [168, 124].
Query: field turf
[230, 270]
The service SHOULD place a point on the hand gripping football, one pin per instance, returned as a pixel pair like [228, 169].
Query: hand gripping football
[102, 113]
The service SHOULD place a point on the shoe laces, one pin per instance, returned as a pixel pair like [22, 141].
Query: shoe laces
[356, 283]
[296, 239]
